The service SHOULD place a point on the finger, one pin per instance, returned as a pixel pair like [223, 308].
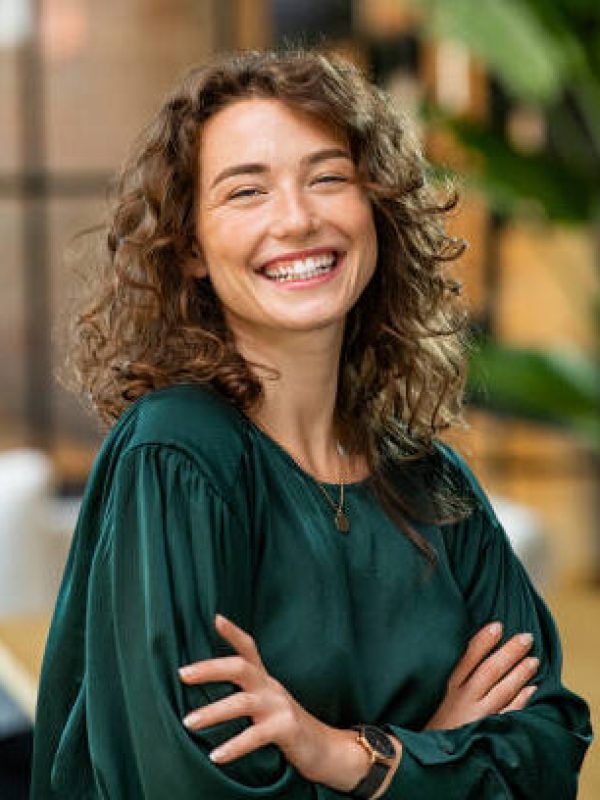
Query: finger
[507, 689]
[246, 742]
[520, 700]
[240, 704]
[239, 639]
[235, 669]
[478, 647]
[496, 666]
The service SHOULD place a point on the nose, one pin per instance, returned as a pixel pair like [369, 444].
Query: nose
[293, 215]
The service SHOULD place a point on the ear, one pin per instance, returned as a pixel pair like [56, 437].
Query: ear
[195, 265]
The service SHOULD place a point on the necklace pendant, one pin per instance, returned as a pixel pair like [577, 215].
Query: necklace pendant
[342, 522]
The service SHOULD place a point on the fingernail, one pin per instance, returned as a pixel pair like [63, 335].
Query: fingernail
[533, 663]
[525, 639]
[185, 672]
[531, 690]
[495, 628]
[191, 720]
[217, 754]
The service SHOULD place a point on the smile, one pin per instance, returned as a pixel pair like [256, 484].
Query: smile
[308, 270]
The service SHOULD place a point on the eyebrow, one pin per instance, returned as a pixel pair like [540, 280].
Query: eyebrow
[256, 168]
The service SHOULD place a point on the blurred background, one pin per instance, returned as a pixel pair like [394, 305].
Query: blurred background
[507, 99]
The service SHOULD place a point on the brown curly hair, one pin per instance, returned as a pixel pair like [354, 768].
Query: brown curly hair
[151, 324]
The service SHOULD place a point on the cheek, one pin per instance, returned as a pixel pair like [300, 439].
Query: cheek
[356, 216]
[215, 241]
[229, 240]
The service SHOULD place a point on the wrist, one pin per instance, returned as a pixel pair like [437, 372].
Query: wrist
[346, 762]
[357, 760]
[343, 761]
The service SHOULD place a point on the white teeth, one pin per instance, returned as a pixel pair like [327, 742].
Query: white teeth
[303, 268]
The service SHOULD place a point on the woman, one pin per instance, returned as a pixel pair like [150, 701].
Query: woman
[273, 512]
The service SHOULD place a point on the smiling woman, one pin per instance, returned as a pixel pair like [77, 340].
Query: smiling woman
[282, 582]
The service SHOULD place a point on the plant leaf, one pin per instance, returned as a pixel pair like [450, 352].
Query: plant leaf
[559, 388]
[508, 37]
[510, 177]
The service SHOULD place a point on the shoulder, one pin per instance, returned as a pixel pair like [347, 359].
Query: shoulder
[453, 461]
[477, 530]
[190, 420]
[463, 479]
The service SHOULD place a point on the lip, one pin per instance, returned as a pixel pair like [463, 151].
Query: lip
[298, 254]
[302, 283]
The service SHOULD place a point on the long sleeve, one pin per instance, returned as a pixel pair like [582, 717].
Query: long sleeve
[172, 555]
[532, 753]
[189, 512]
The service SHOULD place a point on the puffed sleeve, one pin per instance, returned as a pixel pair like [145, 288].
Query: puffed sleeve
[535, 752]
[173, 554]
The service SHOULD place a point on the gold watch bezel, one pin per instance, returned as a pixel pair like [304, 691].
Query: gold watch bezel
[375, 755]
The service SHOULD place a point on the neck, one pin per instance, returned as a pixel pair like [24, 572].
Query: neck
[298, 408]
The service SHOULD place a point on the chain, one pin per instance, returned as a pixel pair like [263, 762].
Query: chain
[342, 523]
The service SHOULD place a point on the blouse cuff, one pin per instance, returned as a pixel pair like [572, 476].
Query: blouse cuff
[419, 749]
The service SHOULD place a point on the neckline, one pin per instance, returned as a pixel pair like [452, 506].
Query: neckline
[292, 461]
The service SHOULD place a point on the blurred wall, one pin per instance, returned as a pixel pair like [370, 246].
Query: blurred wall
[104, 67]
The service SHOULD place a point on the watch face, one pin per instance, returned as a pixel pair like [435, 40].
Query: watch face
[379, 741]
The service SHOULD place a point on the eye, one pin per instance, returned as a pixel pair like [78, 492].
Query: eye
[249, 192]
[331, 179]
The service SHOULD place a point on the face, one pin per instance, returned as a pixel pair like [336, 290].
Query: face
[286, 233]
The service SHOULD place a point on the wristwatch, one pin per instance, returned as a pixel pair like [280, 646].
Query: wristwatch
[381, 749]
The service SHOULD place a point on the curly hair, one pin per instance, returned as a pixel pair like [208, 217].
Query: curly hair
[151, 324]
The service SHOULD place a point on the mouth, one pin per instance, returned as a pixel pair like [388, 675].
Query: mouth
[303, 269]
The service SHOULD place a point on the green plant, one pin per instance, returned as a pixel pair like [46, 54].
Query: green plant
[544, 57]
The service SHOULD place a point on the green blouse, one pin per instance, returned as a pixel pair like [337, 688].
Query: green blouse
[191, 510]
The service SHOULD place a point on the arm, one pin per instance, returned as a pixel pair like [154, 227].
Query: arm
[533, 752]
[173, 555]
[480, 686]
[321, 753]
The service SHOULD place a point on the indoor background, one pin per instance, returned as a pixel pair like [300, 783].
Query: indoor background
[507, 99]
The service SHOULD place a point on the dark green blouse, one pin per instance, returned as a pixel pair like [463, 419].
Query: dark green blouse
[191, 510]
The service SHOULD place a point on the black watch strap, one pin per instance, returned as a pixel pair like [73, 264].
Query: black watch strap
[366, 788]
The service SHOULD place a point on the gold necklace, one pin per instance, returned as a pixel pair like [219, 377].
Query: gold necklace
[342, 523]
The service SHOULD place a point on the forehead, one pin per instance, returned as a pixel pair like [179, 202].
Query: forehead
[261, 130]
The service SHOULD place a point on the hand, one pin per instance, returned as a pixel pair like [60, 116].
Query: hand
[494, 686]
[319, 752]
